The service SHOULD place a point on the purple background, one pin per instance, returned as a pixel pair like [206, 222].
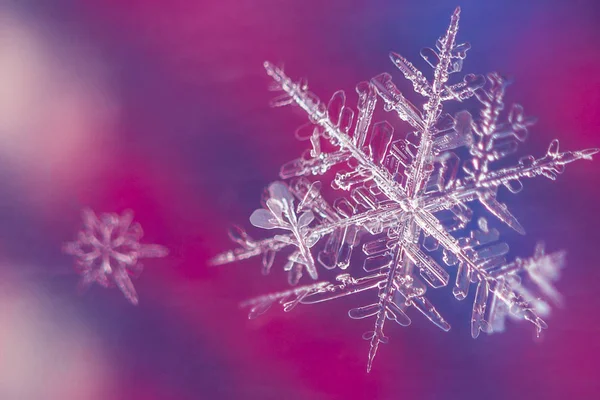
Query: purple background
[162, 107]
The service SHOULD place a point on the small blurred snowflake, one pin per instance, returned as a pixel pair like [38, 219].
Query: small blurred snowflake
[107, 251]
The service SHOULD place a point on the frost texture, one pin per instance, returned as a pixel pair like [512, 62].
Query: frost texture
[107, 251]
[408, 201]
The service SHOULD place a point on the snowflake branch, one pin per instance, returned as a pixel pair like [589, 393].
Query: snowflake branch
[316, 113]
[516, 304]
[418, 173]
[388, 213]
[312, 294]
[549, 166]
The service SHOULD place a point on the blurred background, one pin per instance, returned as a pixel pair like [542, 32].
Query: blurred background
[162, 107]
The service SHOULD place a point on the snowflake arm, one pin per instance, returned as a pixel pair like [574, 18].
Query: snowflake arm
[333, 123]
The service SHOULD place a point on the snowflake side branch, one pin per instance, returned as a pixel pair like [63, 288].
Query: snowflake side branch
[312, 294]
[411, 73]
[394, 100]
[314, 166]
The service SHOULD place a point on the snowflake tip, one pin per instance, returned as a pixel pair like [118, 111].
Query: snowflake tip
[455, 14]
[588, 153]
[272, 69]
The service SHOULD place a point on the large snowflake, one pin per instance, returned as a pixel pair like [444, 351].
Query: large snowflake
[408, 198]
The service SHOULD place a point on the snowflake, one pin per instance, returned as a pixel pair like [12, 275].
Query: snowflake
[107, 251]
[408, 198]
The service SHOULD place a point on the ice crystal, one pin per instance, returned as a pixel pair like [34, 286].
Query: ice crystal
[107, 251]
[407, 199]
